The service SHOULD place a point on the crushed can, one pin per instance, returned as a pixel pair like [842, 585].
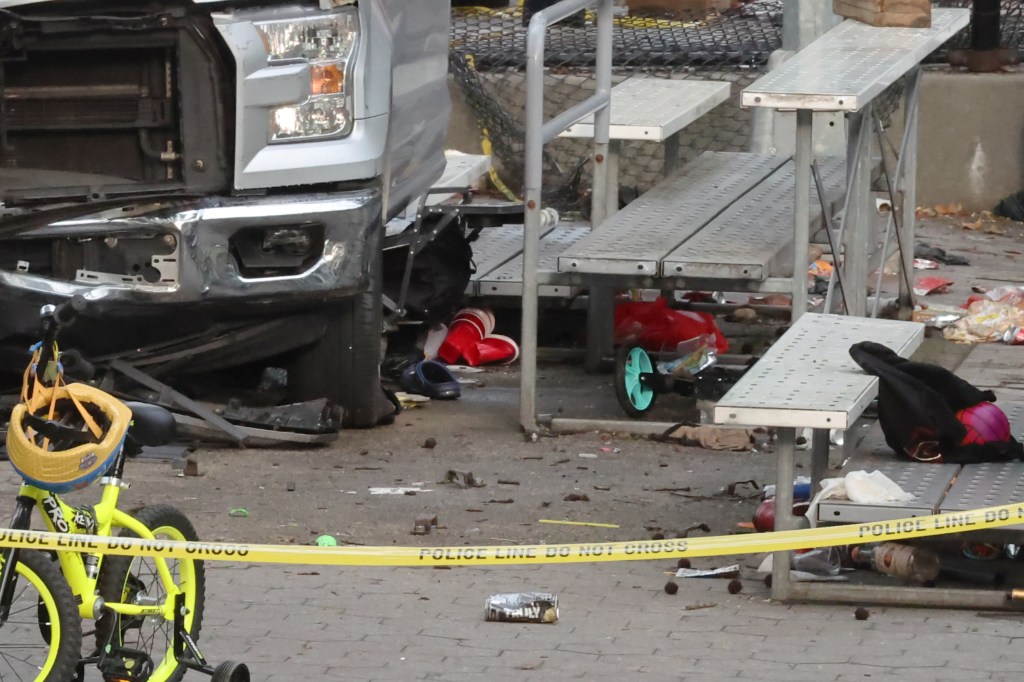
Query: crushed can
[522, 607]
[1014, 336]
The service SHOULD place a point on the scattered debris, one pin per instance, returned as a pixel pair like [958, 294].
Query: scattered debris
[508, 501]
[575, 497]
[695, 607]
[604, 488]
[611, 450]
[934, 253]
[925, 264]
[430, 443]
[657, 536]
[671, 587]
[290, 486]
[588, 455]
[522, 607]
[326, 541]
[710, 437]
[462, 479]
[424, 523]
[191, 467]
[932, 285]
[1012, 207]
[503, 481]
[735, 586]
[732, 571]
[398, 490]
[683, 563]
[239, 513]
[592, 524]
[861, 613]
[696, 526]
[730, 490]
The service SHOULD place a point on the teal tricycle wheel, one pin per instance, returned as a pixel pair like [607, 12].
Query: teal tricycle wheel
[633, 368]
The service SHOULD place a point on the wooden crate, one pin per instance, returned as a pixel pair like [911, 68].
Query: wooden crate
[901, 13]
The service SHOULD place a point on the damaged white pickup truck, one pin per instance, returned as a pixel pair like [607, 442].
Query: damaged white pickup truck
[190, 166]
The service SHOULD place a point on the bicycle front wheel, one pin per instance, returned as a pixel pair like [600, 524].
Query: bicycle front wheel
[42, 638]
[135, 580]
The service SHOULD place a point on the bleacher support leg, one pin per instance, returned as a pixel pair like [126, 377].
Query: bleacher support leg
[857, 222]
[801, 209]
[786, 451]
[600, 323]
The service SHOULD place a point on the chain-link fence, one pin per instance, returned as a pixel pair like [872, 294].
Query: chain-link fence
[488, 57]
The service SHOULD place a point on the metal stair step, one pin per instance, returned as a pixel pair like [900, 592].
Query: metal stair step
[636, 239]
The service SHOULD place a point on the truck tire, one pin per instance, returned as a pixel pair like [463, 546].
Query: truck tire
[344, 365]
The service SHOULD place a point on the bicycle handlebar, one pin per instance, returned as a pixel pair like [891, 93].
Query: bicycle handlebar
[54, 318]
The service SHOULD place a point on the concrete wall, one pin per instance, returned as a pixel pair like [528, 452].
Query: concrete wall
[971, 138]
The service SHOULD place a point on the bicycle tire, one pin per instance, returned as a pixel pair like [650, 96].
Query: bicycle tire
[634, 397]
[124, 578]
[34, 619]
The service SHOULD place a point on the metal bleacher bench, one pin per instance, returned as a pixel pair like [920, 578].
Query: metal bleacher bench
[723, 222]
[807, 379]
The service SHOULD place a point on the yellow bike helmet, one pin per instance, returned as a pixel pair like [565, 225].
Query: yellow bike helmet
[63, 437]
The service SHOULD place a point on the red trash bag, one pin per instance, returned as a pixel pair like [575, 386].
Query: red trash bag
[656, 327]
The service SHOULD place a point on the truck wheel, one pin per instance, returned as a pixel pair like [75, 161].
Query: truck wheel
[344, 365]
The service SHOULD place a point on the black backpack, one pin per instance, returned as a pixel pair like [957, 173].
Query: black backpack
[918, 405]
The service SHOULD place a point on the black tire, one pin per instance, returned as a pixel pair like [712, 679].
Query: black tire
[123, 578]
[230, 671]
[344, 365]
[30, 623]
[625, 382]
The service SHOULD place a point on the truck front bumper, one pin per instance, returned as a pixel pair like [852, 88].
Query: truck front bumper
[227, 250]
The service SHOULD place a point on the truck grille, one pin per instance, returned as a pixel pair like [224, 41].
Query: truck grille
[105, 112]
[121, 103]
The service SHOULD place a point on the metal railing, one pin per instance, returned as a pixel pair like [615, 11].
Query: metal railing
[538, 133]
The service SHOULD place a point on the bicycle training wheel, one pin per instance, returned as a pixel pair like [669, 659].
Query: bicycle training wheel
[42, 637]
[135, 580]
[633, 395]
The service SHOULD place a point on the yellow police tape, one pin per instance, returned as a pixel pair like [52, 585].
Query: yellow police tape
[896, 529]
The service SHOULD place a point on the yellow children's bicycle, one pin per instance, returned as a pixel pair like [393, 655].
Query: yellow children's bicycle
[148, 611]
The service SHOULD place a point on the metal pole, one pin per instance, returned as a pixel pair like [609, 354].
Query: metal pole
[604, 202]
[536, 134]
[908, 182]
[531, 224]
[785, 449]
[857, 221]
[801, 210]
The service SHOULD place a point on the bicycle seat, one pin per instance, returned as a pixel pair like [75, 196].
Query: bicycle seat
[152, 425]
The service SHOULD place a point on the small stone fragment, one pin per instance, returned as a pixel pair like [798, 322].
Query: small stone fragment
[671, 587]
[430, 443]
[735, 587]
[861, 613]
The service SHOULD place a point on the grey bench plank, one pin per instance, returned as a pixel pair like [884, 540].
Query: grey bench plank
[495, 247]
[507, 280]
[926, 481]
[986, 485]
[807, 379]
[655, 109]
[637, 238]
[753, 238]
[851, 64]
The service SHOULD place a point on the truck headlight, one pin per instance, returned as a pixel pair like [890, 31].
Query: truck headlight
[327, 42]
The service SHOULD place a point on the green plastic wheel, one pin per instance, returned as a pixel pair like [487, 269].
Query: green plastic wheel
[634, 395]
